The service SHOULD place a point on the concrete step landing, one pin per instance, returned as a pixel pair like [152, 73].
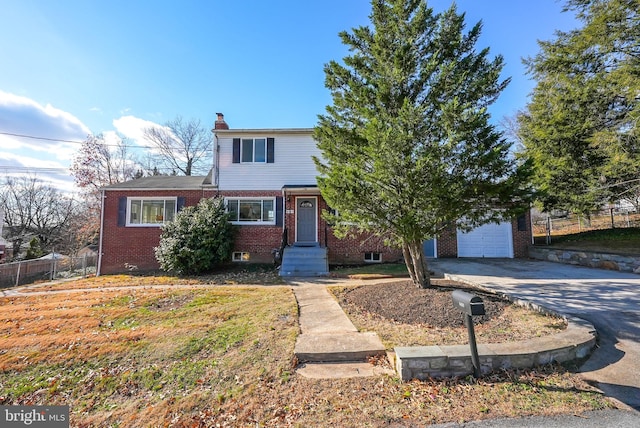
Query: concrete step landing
[342, 370]
[338, 347]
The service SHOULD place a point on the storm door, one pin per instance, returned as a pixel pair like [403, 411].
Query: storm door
[306, 220]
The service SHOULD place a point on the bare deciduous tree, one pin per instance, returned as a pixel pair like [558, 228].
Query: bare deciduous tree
[181, 146]
[33, 208]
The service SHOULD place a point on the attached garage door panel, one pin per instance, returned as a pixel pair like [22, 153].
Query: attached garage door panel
[489, 240]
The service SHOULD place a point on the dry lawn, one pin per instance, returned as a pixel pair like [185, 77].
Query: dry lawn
[222, 356]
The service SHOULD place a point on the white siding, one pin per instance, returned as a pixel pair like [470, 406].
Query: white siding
[293, 163]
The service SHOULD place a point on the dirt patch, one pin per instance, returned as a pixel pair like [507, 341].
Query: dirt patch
[404, 315]
[169, 303]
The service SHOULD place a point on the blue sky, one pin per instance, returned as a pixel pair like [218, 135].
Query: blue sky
[73, 67]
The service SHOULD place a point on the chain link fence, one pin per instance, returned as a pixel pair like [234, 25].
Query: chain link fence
[545, 227]
[30, 271]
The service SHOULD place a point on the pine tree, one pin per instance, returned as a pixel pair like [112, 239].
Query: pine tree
[408, 150]
[581, 126]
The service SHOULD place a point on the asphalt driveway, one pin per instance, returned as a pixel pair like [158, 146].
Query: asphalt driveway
[610, 300]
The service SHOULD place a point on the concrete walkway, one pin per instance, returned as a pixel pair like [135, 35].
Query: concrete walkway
[610, 300]
[329, 345]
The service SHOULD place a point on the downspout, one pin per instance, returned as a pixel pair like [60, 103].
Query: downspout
[104, 196]
[284, 210]
[216, 160]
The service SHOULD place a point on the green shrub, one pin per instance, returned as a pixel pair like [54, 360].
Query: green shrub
[35, 249]
[199, 239]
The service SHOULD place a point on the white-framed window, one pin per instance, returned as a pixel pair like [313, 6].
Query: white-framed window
[373, 257]
[151, 211]
[252, 210]
[240, 256]
[253, 150]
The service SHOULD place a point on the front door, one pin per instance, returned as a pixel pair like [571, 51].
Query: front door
[306, 221]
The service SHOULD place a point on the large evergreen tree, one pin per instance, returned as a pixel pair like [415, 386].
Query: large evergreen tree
[581, 126]
[407, 147]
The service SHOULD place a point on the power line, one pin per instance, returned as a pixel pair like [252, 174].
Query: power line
[40, 138]
[33, 137]
[8, 168]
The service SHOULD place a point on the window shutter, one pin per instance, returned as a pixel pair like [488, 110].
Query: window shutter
[236, 150]
[122, 211]
[271, 146]
[279, 210]
[180, 203]
[522, 223]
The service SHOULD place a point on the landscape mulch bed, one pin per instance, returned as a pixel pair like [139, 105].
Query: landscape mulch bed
[405, 303]
[404, 315]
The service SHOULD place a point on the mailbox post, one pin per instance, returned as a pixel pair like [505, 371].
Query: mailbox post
[470, 305]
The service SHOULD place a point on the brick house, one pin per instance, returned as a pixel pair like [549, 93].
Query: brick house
[268, 180]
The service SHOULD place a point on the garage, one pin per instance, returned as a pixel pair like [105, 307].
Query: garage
[489, 240]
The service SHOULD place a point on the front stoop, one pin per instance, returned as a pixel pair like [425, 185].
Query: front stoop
[338, 347]
[304, 261]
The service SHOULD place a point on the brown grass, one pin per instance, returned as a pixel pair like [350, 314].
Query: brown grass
[222, 356]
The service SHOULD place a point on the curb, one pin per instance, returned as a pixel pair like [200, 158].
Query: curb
[424, 362]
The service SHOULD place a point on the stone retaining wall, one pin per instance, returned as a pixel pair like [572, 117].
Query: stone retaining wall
[423, 362]
[624, 263]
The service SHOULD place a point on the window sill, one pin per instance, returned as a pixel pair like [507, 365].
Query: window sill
[254, 223]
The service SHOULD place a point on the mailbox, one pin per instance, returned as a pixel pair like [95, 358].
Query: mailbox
[467, 302]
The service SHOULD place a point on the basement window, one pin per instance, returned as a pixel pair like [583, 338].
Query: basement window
[373, 257]
[240, 256]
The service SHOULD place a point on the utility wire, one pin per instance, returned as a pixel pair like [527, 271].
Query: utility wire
[33, 137]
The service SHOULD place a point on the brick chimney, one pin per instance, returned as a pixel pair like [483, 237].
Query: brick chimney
[220, 123]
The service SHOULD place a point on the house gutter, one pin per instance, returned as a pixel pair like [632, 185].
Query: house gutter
[101, 232]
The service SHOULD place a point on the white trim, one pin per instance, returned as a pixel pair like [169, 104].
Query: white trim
[315, 212]
[149, 198]
[373, 260]
[244, 256]
[253, 151]
[104, 196]
[260, 131]
[254, 198]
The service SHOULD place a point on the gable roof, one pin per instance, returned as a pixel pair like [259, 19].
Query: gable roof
[164, 182]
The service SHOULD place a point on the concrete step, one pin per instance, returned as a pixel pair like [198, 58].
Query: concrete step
[304, 262]
[338, 347]
[342, 370]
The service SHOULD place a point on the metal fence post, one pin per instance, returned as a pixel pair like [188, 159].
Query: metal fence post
[18, 274]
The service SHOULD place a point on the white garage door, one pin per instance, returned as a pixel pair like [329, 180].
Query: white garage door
[489, 240]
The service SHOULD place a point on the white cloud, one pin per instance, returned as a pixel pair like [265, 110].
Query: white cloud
[23, 115]
[36, 139]
[133, 127]
[54, 173]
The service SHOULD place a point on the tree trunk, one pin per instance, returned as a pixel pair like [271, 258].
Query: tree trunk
[408, 260]
[416, 264]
